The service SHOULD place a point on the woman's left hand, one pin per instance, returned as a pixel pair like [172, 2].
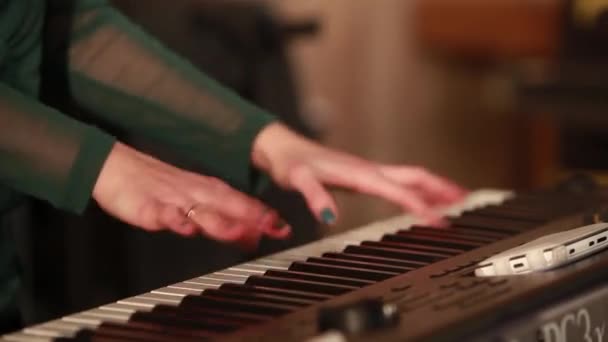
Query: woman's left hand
[299, 164]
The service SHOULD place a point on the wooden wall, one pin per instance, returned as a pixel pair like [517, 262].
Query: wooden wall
[379, 90]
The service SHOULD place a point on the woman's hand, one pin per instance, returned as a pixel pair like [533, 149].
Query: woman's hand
[299, 164]
[153, 195]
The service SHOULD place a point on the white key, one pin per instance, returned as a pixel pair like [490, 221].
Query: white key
[83, 320]
[67, 328]
[330, 336]
[252, 269]
[193, 287]
[138, 303]
[107, 315]
[172, 291]
[225, 278]
[123, 308]
[43, 331]
[23, 337]
[147, 301]
[234, 273]
[201, 281]
[270, 264]
[161, 298]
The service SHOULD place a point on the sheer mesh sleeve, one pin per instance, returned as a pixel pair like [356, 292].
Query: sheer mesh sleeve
[130, 80]
[46, 154]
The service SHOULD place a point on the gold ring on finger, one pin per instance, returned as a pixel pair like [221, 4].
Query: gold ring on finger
[192, 211]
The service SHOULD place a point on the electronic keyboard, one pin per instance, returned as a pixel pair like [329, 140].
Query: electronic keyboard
[393, 280]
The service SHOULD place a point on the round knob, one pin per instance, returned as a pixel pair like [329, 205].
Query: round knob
[360, 317]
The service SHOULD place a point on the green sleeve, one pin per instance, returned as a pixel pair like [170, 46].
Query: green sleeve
[131, 81]
[46, 154]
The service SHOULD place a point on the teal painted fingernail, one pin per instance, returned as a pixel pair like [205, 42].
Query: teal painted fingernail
[327, 216]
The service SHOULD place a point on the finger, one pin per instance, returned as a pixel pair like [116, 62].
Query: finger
[318, 199]
[279, 233]
[430, 198]
[218, 227]
[434, 187]
[148, 217]
[234, 205]
[250, 240]
[172, 217]
[275, 227]
[189, 229]
[370, 182]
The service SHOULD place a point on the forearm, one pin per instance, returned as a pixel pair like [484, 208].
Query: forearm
[46, 154]
[131, 81]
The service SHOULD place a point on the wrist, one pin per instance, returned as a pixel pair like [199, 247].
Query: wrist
[274, 144]
[85, 171]
[266, 145]
[117, 165]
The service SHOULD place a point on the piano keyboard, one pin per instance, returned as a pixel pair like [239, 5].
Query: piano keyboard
[277, 297]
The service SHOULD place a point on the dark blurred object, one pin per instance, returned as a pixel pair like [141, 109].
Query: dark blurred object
[75, 263]
[489, 30]
[483, 44]
[552, 53]
[573, 87]
[586, 31]
[239, 43]
[575, 83]
[579, 183]
[358, 318]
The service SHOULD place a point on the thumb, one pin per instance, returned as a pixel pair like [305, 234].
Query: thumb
[316, 196]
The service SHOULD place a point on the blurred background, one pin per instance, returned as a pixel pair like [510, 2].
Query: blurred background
[503, 94]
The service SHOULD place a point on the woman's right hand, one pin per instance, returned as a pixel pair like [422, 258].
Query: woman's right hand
[150, 194]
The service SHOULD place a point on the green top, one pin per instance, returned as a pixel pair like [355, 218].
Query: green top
[128, 81]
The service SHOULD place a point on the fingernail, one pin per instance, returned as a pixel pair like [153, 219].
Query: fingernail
[279, 233]
[280, 223]
[328, 216]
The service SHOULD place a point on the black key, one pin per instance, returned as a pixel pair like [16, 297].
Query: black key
[412, 247]
[299, 285]
[523, 213]
[256, 297]
[546, 208]
[203, 327]
[547, 205]
[84, 335]
[413, 264]
[136, 331]
[308, 296]
[100, 338]
[449, 233]
[395, 253]
[510, 214]
[319, 278]
[447, 242]
[236, 305]
[350, 272]
[239, 318]
[492, 224]
[374, 266]
[475, 232]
